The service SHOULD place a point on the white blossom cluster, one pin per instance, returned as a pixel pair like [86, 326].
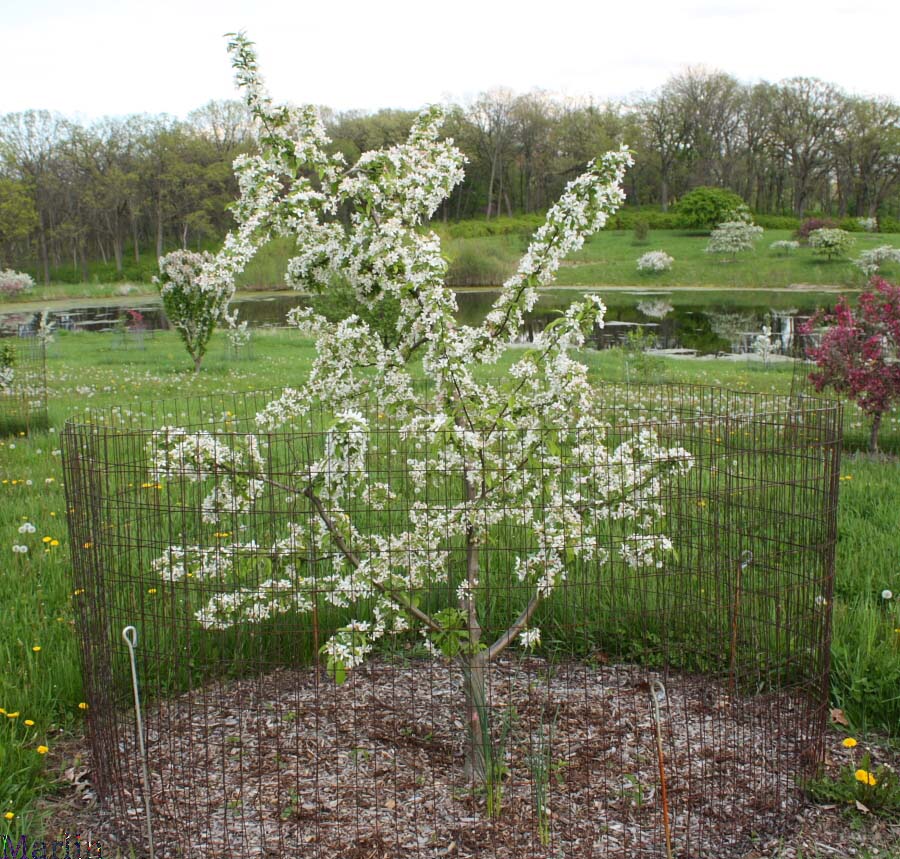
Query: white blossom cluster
[655, 261]
[13, 282]
[784, 246]
[831, 242]
[7, 368]
[732, 237]
[868, 225]
[194, 304]
[870, 262]
[468, 455]
[763, 345]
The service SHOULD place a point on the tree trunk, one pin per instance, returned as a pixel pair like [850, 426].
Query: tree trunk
[873, 435]
[198, 360]
[45, 259]
[490, 200]
[159, 228]
[478, 730]
[117, 252]
[664, 193]
[134, 240]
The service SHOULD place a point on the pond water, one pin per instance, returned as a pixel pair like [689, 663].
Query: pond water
[705, 321]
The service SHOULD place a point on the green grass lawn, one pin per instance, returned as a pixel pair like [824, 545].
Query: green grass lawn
[609, 258]
[40, 676]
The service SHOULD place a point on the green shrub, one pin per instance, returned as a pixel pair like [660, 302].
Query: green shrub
[777, 222]
[704, 208]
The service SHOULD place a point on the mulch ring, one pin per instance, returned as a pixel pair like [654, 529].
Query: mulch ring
[289, 764]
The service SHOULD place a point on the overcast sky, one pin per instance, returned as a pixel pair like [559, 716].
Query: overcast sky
[90, 58]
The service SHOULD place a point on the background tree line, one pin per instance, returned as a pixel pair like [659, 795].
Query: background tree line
[119, 190]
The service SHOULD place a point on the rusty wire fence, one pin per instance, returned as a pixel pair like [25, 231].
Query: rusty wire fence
[23, 385]
[674, 697]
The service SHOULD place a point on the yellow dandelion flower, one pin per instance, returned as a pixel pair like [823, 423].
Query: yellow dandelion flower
[46, 539]
[54, 542]
[42, 750]
[865, 777]
[88, 545]
[83, 705]
[13, 715]
[151, 590]
[36, 648]
[29, 722]
[9, 815]
[848, 743]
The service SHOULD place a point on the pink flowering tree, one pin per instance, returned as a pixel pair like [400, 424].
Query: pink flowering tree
[857, 355]
[523, 453]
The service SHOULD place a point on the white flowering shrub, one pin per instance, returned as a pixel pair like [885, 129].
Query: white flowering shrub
[868, 225]
[483, 458]
[655, 262]
[831, 243]
[238, 333]
[763, 345]
[195, 302]
[870, 262]
[732, 237]
[15, 282]
[7, 368]
[45, 329]
[784, 246]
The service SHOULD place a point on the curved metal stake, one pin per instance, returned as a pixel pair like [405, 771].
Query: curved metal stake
[131, 638]
[657, 694]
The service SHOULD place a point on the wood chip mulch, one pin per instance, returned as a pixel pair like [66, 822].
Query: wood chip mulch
[289, 764]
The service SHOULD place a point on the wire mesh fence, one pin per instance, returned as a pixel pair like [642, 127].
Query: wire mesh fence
[23, 385]
[658, 682]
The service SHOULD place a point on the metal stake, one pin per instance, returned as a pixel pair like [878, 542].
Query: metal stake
[657, 693]
[131, 638]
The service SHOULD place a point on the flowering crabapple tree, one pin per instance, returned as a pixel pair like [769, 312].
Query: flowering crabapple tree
[763, 345]
[194, 302]
[831, 243]
[655, 261]
[732, 237]
[7, 368]
[524, 452]
[859, 352]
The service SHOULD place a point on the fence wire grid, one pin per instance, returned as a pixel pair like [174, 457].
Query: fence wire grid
[23, 385]
[673, 699]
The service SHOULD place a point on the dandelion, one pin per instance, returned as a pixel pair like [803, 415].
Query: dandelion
[151, 590]
[88, 545]
[83, 705]
[9, 815]
[46, 539]
[886, 594]
[27, 528]
[36, 648]
[13, 715]
[42, 750]
[54, 542]
[865, 777]
[20, 550]
[848, 743]
[29, 723]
